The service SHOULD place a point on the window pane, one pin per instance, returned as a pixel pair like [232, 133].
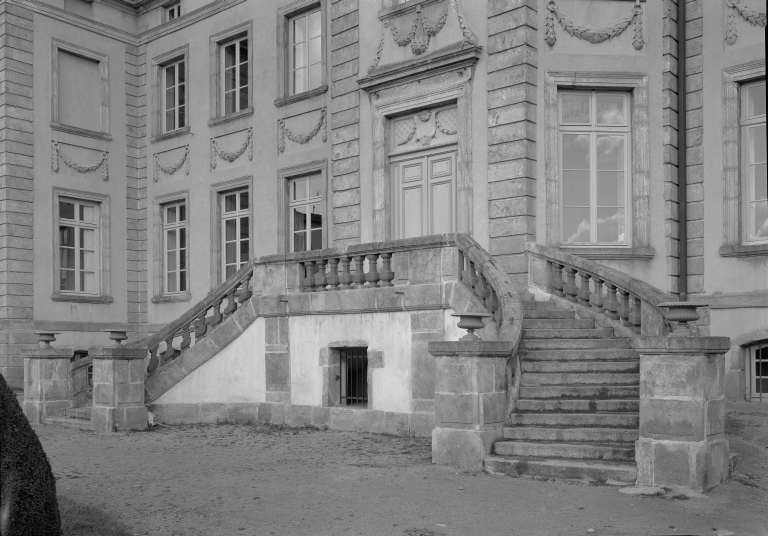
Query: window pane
[315, 76]
[67, 259]
[229, 79]
[244, 204]
[574, 108]
[87, 282]
[244, 251]
[610, 225]
[298, 189]
[170, 76]
[314, 51]
[576, 188]
[243, 98]
[316, 216]
[230, 230]
[300, 241]
[170, 120]
[760, 219]
[610, 189]
[182, 238]
[87, 237]
[244, 233]
[67, 280]
[170, 240]
[66, 236]
[182, 72]
[87, 259]
[230, 203]
[182, 117]
[575, 151]
[317, 239]
[182, 259]
[316, 186]
[88, 213]
[66, 210]
[171, 215]
[182, 281]
[299, 219]
[299, 29]
[182, 95]
[761, 182]
[229, 102]
[610, 152]
[229, 271]
[229, 56]
[757, 139]
[243, 50]
[230, 254]
[244, 75]
[314, 24]
[182, 212]
[610, 109]
[576, 225]
[171, 282]
[298, 81]
[170, 260]
[756, 100]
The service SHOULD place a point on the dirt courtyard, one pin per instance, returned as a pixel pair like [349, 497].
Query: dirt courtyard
[229, 480]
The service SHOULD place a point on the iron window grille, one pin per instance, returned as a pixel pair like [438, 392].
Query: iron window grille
[354, 377]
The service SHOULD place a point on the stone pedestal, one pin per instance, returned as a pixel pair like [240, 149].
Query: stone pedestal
[47, 383]
[682, 412]
[470, 400]
[118, 389]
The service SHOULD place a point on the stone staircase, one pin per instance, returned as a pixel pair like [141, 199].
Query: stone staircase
[577, 413]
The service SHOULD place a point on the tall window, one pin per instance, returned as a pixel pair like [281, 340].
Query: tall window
[175, 247]
[173, 12]
[594, 167]
[306, 213]
[758, 371]
[305, 56]
[175, 99]
[753, 135]
[78, 246]
[235, 229]
[235, 75]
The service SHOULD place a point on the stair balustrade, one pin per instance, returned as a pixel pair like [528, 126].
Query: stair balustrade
[321, 273]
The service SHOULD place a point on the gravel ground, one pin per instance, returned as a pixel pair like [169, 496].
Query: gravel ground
[226, 480]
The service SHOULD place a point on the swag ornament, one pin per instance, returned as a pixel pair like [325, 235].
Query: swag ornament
[57, 155]
[752, 16]
[173, 168]
[217, 152]
[301, 139]
[594, 35]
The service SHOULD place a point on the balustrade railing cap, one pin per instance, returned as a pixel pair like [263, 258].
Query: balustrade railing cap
[471, 348]
[477, 315]
[683, 304]
[682, 345]
[117, 352]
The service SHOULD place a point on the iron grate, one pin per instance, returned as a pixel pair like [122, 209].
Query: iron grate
[354, 377]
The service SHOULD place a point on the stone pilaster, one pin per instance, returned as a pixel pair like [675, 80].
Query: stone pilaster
[670, 155]
[47, 382]
[118, 389]
[512, 73]
[16, 188]
[470, 400]
[345, 122]
[682, 412]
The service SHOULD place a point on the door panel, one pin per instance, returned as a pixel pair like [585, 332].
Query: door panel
[412, 212]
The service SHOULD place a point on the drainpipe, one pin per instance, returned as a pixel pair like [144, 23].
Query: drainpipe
[682, 212]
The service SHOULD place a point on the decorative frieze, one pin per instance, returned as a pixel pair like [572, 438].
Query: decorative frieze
[752, 16]
[302, 139]
[425, 126]
[594, 35]
[170, 169]
[230, 156]
[57, 155]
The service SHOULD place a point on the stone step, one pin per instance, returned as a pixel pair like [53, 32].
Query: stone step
[581, 366]
[566, 344]
[605, 451]
[595, 333]
[602, 392]
[593, 472]
[577, 406]
[78, 413]
[592, 354]
[576, 420]
[558, 323]
[600, 435]
[578, 378]
[538, 305]
[551, 314]
[68, 422]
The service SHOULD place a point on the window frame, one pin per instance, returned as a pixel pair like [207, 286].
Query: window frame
[159, 258]
[746, 123]
[217, 42]
[237, 216]
[180, 54]
[594, 130]
[284, 176]
[752, 392]
[285, 15]
[102, 257]
[176, 227]
[177, 64]
[217, 191]
[169, 8]
[306, 52]
[306, 202]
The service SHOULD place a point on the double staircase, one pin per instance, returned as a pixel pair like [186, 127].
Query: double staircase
[577, 415]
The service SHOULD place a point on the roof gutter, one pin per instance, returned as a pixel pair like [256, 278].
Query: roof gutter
[682, 146]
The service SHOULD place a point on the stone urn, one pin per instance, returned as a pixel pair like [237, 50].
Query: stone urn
[679, 315]
[471, 322]
[117, 335]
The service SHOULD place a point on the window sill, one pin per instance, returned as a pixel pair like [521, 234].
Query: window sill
[231, 117]
[172, 134]
[285, 101]
[69, 129]
[80, 298]
[752, 250]
[598, 253]
[171, 298]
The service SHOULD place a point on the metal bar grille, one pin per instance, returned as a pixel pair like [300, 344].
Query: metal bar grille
[761, 370]
[354, 376]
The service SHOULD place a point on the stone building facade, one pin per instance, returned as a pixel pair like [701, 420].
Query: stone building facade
[151, 148]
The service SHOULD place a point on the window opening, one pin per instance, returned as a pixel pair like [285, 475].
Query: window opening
[235, 75]
[594, 164]
[305, 56]
[755, 160]
[235, 228]
[78, 244]
[174, 96]
[306, 212]
[173, 12]
[758, 367]
[175, 247]
[354, 376]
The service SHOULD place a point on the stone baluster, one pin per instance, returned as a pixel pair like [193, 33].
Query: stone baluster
[154, 358]
[471, 276]
[186, 338]
[570, 287]
[584, 293]
[635, 317]
[345, 279]
[481, 290]
[215, 319]
[597, 304]
[320, 278]
[309, 280]
[358, 280]
[246, 293]
[231, 303]
[373, 269]
[201, 327]
[170, 352]
[333, 276]
[462, 266]
[556, 281]
[493, 306]
[624, 308]
[612, 306]
[386, 274]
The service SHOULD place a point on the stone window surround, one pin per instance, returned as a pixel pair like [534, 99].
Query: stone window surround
[158, 63]
[158, 263]
[216, 42]
[284, 15]
[103, 282]
[740, 353]
[216, 191]
[103, 61]
[283, 177]
[383, 111]
[639, 216]
[733, 233]
[330, 361]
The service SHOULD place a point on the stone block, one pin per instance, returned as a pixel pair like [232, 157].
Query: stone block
[423, 405]
[326, 301]
[422, 424]
[662, 376]
[715, 412]
[389, 298]
[735, 386]
[130, 393]
[298, 303]
[102, 371]
[423, 296]
[213, 413]
[321, 417]
[178, 413]
[279, 397]
[494, 406]
[355, 300]
[396, 423]
[224, 333]
[31, 369]
[103, 394]
[55, 408]
[424, 265]
[671, 465]
[136, 371]
[455, 410]
[672, 419]
[712, 464]
[55, 389]
[344, 419]
[371, 421]
[102, 419]
[130, 418]
[243, 413]
[278, 371]
[714, 376]
[296, 415]
[455, 376]
[33, 410]
[427, 321]
[463, 449]
[121, 372]
[422, 374]
[55, 369]
[278, 413]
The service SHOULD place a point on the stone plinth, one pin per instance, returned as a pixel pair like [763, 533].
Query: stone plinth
[470, 400]
[118, 389]
[682, 412]
[47, 383]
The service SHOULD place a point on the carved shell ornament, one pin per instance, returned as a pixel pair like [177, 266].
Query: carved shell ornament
[230, 156]
[752, 16]
[172, 168]
[302, 139]
[57, 155]
[594, 35]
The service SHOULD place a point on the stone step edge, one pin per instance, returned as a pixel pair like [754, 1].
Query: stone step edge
[594, 472]
[544, 442]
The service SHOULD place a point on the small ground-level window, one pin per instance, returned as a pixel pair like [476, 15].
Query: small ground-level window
[354, 376]
[758, 371]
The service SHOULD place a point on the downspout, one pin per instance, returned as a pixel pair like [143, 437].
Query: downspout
[682, 146]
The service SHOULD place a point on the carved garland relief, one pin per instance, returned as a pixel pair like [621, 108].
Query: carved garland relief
[172, 168]
[422, 130]
[57, 155]
[752, 16]
[230, 156]
[302, 139]
[593, 35]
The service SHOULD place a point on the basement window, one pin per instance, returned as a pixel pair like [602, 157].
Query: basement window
[354, 377]
[758, 371]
